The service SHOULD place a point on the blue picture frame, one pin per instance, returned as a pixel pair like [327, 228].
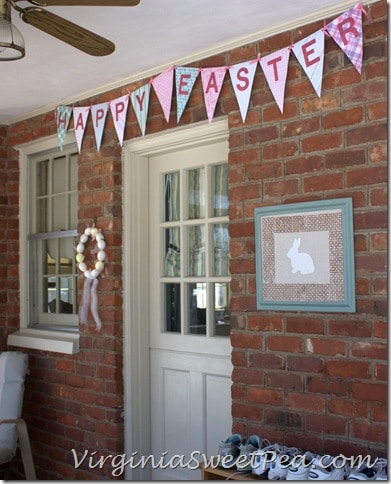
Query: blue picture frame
[305, 256]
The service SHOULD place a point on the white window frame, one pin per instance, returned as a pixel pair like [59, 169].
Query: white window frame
[27, 337]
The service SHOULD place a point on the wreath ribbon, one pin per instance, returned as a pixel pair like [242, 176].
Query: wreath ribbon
[90, 297]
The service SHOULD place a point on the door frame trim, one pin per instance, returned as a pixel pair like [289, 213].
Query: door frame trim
[135, 156]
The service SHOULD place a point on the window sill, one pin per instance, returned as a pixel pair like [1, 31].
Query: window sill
[38, 339]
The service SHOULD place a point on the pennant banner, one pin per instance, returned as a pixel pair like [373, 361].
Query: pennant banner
[185, 77]
[80, 116]
[212, 81]
[163, 84]
[242, 78]
[119, 108]
[63, 116]
[346, 30]
[99, 114]
[275, 68]
[140, 102]
[310, 54]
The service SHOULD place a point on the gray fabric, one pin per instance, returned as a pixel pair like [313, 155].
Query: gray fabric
[13, 368]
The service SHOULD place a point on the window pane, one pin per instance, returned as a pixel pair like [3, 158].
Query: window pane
[172, 295]
[220, 190]
[171, 197]
[220, 249]
[42, 178]
[49, 295]
[66, 295]
[66, 255]
[59, 175]
[196, 313]
[196, 193]
[59, 213]
[196, 248]
[221, 309]
[73, 211]
[41, 223]
[73, 173]
[172, 259]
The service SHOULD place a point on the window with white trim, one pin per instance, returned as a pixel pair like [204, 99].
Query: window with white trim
[48, 231]
[52, 188]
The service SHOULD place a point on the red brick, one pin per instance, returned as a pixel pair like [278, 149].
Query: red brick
[307, 402]
[285, 343]
[265, 396]
[347, 369]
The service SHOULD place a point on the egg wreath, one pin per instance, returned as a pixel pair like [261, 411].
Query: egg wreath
[91, 275]
[101, 256]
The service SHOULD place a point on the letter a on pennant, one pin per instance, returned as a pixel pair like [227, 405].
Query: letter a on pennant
[275, 68]
[80, 115]
[212, 81]
[346, 30]
[63, 116]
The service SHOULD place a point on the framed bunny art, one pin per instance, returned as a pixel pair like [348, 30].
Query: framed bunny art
[305, 256]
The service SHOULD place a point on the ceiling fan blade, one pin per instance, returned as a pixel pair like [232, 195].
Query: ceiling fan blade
[86, 3]
[67, 31]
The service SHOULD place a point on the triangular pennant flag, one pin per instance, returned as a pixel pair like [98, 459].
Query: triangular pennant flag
[119, 108]
[185, 77]
[212, 81]
[242, 78]
[63, 116]
[80, 115]
[140, 102]
[163, 84]
[346, 30]
[310, 54]
[98, 114]
[275, 68]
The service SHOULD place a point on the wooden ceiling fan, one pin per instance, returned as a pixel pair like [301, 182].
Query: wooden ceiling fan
[64, 30]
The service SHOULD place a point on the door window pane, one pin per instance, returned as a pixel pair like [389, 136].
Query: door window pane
[172, 296]
[196, 250]
[220, 190]
[196, 193]
[220, 249]
[171, 197]
[172, 259]
[221, 309]
[197, 308]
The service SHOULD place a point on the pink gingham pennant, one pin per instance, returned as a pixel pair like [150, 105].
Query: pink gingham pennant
[346, 30]
[163, 84]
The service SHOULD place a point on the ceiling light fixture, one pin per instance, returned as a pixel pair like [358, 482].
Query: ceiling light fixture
[11, 40]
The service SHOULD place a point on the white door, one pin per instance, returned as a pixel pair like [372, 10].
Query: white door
[190, 366]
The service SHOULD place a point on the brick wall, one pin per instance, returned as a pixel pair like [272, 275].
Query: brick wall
[315, 380]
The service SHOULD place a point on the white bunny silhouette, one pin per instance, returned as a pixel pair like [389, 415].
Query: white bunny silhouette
[300, 261]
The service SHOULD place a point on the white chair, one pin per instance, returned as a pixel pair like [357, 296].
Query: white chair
[13, 429]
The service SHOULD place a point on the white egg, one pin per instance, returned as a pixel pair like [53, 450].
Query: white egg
[88, 231]
[80, 248]
[101, 244]
[94, 274]
[99, 266]
[88, 274]
[101, 255]
[82, 267]
[83, 238]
